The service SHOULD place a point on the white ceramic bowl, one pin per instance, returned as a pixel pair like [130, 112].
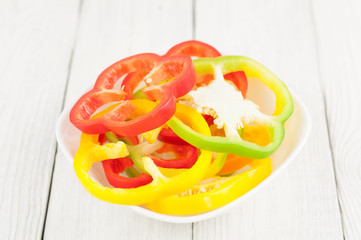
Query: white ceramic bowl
[297, 131]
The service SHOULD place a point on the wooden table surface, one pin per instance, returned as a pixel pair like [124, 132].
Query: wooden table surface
[51, 50]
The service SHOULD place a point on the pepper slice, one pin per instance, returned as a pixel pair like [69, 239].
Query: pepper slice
[190, 48]
[177, 71]
[199, 49]
[90, 152]
[250, 133]
[113, 167]
[167, 135]
[193, 48]
[189, 117]
[208, 196]
[233, 163]
[235, 144]
[186, 156]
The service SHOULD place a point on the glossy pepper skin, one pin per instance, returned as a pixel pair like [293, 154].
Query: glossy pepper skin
[113, 167]
[90, 151]
[195, 121]
[186, 156]
[233, 144]
[190, 48]
[230, 189]
[194, 48]
[177, 72]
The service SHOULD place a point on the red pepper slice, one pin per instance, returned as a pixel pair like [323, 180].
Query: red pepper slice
[132, 139]
[131, 81]
[195, 48]
[102, 139]
[113, 167]
[186, 155]
[191, 48]
[240, 80]
[168, 136]
[177, 71]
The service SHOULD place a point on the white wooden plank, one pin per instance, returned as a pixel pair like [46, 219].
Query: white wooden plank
[36, 40]
[302, 202]
[338, 34]
[109, 31]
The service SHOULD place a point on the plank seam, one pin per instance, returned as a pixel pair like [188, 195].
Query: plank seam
[192, 230]
[318, 61]
[62, 107]
[194, 19]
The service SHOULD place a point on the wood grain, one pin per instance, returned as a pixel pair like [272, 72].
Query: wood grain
[339, 50]
[109, 31]
[36, 40]
[302, 202]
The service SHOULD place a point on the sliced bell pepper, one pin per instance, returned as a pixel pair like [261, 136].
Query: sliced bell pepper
[255, 134]
[113, 167]
[190, 48]
[233, 163]
[131, 82]
[167, 135]
[90, 151]
[186, 156]
[189, 117]
[193, 48]
[235, 144]
[102, 139]
[211, 195]
[177, 72]
[199, 49]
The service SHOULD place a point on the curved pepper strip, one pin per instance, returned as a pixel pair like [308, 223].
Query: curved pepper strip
[190, 48]
[255, 134]
[177, 71]
[194, 48]
[113, 167]
[253, 69]
[168, 136]
[90, 152]
[217, 165]
[235, 144]
[233, 163]
[199, 49]
[187, 114]
[186, 156]
[229, 190]
[187, 48]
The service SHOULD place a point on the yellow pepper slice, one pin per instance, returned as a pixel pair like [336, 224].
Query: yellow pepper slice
[220, 192]
[90, 152]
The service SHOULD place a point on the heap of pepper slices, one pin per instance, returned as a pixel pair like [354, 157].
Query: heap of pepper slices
[178, 136]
